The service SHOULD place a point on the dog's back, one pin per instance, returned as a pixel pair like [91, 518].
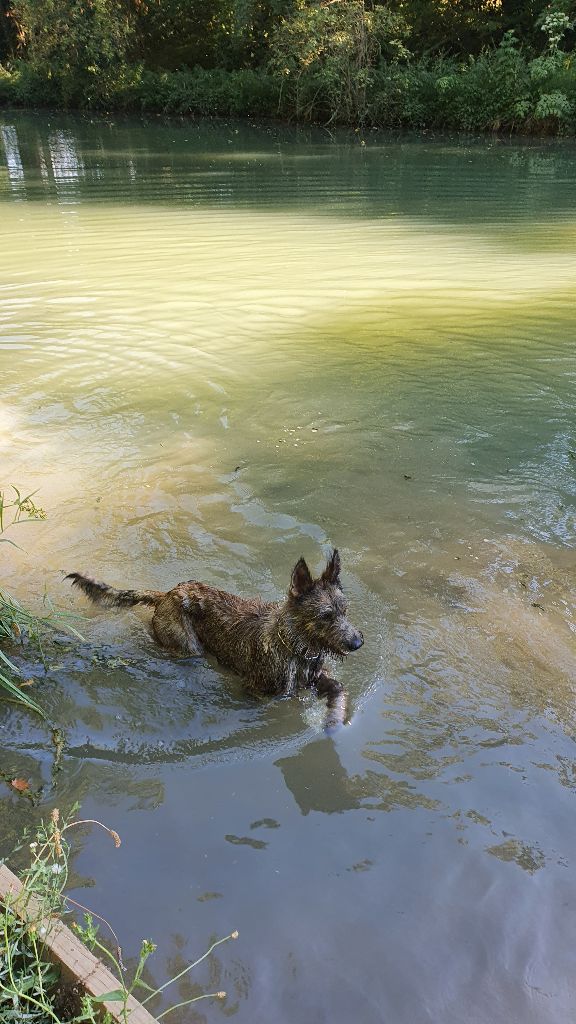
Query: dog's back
[195, 616]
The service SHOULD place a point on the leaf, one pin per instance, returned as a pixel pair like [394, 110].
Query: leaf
[116, 996]
[27, 682]
[20, 784]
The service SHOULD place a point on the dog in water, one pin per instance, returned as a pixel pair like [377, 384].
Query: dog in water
[277, 648]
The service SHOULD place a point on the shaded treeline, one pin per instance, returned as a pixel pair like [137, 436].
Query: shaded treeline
[466, 64]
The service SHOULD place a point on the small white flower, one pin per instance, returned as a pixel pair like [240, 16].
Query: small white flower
[33, 846]
[57, 869]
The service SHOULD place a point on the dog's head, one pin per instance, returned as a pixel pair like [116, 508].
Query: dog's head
[318, 610]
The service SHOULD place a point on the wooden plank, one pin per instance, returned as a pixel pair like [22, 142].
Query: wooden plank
[77, 962]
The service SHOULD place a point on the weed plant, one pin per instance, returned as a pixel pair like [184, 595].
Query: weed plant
[17, 624]
[31, 990]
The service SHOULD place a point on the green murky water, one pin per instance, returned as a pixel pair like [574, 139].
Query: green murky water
[222, 347]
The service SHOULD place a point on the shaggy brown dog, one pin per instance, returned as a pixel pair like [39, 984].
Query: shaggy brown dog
[277, 648]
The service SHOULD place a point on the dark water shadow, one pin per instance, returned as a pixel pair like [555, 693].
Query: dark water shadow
[70, 158]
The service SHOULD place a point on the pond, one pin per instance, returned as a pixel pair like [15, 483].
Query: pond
[224, 346]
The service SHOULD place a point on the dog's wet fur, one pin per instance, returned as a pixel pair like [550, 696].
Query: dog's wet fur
[278, 648]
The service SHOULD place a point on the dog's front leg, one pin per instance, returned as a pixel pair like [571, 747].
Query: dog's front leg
[336, 700]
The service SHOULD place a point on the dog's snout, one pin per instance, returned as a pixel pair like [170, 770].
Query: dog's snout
[356, 642]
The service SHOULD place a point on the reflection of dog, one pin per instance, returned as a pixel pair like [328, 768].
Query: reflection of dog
[277, 648]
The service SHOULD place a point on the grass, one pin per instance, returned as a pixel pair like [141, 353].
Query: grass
[30, 984]
[17, 624]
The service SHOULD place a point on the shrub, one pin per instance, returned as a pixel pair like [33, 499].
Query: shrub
[210, 93]
[74, 49]
[325, 54]
[553, 97]
[6, 86]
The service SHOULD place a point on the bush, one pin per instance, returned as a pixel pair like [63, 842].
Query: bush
[483, 93]
[552, 106]
[73, 49]
[206, 93]
[499, 90]
[405, 95]
[6, 86]
[325, 55]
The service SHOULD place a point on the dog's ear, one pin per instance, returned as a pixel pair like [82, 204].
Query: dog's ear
[331, 573]
[301, 579]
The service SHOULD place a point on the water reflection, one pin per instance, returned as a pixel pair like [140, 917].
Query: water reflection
[318, 782]
[13, 159]
[219, 163]
[64, 157]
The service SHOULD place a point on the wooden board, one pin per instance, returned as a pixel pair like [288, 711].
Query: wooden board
[63, 947]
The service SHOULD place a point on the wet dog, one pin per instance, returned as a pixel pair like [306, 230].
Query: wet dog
[278, 648]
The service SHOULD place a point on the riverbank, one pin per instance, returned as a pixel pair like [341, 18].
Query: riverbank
[337, 63]
[500, 90]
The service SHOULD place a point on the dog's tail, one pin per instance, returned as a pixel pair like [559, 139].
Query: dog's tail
[101, 593]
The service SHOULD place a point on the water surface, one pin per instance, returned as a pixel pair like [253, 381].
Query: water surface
[224, 346]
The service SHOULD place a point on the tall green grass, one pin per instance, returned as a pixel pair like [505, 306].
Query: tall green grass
[17, 624]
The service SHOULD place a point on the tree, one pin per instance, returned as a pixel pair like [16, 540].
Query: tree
[8, 31]
[78, 44]
[326, 52]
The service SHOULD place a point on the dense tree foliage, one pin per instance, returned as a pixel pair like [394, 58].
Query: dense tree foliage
[471, 64]
[75, 45]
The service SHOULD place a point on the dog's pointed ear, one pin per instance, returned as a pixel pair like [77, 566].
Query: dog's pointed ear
[301, 579]
[331, 573]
